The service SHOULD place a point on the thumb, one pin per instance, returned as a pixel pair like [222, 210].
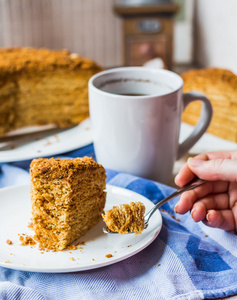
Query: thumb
[214, 169]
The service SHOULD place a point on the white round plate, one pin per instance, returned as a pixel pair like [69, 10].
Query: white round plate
[65, 141]
[15, 216]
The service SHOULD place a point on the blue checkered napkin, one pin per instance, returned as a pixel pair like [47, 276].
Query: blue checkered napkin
[186, 260]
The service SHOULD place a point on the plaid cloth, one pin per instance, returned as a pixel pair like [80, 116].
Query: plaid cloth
[186, 260]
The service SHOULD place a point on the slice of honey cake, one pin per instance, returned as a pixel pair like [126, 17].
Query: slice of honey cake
[67, 197]
[125, 218]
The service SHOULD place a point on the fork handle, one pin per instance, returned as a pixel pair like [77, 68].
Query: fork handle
[192, 185]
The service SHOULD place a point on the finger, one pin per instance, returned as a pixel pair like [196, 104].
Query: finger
[216, 169]
[185, 203]
[188, 198]
[233, 194]
[223, 219]
[184, 176]
[218, 154]
[210, 202]
[234, 211]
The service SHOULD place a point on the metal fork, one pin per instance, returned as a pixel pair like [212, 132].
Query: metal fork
[194, 183]
[13, 142]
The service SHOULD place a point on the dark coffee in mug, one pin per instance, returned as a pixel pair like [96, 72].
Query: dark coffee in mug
[133, 95]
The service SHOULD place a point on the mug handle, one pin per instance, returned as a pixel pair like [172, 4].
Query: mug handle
[201, 126]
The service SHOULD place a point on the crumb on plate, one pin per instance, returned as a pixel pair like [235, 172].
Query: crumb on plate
[26, 240]
[7, 261]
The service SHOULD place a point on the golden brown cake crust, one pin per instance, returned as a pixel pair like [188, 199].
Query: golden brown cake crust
[18, 60]
[54, 168]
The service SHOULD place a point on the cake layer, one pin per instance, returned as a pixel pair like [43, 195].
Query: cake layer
[8, 92]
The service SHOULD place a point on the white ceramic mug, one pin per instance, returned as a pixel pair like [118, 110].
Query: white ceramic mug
[136, 116]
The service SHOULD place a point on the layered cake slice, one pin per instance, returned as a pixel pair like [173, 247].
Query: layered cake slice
[67, 198]
[125, 218]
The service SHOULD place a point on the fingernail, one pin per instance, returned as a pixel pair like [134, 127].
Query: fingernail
[176, 208]
[193, 212]
[208, 217]
[195, 162]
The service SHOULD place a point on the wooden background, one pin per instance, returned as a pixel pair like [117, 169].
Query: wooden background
[87, 27]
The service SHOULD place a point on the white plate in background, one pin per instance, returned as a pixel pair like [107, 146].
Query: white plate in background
[65, 141]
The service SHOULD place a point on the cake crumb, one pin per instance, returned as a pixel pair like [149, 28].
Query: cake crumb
[72, 258]
[9, 242]
[75, 247]
[44, 169]
[176, 219]
[27, 240]
[108, 255]
[172, 216]
[71, 247]
[7, 261]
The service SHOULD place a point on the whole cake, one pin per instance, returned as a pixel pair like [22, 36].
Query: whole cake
[67, 197]
[220, 86]
[40, 86]
[125, 218]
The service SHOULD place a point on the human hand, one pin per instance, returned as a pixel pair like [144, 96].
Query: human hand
[215, 202]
